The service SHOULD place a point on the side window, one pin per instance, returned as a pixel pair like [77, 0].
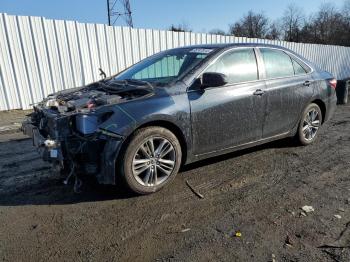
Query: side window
[237, 65]
[298, 69]
[277, 63]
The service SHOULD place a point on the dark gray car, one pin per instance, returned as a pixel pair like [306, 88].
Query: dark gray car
[180, 106]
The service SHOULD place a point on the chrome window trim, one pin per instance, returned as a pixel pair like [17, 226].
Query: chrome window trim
[222, 54]
[260, 65]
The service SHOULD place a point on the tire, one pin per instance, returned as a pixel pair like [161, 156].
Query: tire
[309, 125]
[158, 170]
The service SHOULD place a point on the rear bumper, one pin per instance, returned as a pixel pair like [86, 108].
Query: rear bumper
[331, 107]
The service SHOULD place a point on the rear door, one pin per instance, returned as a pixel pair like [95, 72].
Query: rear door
[289, 87]
[233, 114]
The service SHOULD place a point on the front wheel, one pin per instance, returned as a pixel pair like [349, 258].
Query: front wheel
[151, 160]
[310, 124]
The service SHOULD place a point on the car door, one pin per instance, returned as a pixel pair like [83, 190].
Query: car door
[232, 114]
[289, 87]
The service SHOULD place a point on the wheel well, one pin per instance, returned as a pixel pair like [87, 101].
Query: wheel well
[322, 106]
[174, 129]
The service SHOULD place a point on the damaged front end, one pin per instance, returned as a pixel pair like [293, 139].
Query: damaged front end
[77, 130]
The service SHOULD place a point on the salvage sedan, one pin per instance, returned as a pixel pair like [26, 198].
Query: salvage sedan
[180, 106]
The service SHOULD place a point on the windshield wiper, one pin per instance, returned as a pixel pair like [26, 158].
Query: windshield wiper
[124, 85]
[102, 73]
[137, 81]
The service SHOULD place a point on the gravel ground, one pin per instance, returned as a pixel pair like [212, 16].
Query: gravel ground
[12, 117]
[10, 121]
[257, 192]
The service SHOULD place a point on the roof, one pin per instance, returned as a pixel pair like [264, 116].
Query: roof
[231, 45]
[228, 45]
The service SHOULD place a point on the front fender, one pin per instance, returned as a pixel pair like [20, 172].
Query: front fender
[173, 110]
[127, 117]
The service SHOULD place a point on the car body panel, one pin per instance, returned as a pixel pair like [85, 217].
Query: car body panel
[226, 116]
[286, 99]
[166, 105]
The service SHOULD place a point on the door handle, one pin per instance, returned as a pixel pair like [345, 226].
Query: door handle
[259, 92]
[307, 83]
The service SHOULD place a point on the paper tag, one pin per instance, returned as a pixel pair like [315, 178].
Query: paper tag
[201, 50]
[53, 153]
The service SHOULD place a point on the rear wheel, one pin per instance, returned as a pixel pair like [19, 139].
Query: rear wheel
[310, 124]
[151, 160]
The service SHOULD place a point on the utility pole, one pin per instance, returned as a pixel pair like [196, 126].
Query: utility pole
[109, 13]
[117, 9]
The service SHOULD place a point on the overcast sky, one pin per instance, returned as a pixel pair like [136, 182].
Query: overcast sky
[199, 15]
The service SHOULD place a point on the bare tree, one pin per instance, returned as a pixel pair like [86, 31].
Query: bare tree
[274, 32]
[217, 32]
[254, 25]
[308, 33]
[346, 17]
[330, 25]
[292, 22]
[180, 28]
[346, 9]
[327, 26]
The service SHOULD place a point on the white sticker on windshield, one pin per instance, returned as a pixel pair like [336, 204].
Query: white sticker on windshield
[201, 50]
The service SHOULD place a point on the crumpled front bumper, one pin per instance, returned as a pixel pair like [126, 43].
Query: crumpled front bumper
[47, 148]
[54, 152]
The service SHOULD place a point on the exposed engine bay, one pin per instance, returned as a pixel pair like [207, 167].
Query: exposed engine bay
[66, 127]
[84, 99]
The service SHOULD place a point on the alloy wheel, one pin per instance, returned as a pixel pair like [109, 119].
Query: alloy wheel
[311, 124]
[154, 161]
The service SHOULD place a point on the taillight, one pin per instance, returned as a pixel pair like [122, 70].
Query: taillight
[333, 83]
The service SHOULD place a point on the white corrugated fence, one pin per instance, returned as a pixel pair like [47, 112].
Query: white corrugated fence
[39, 56]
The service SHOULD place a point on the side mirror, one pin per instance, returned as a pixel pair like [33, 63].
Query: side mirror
[212, 79]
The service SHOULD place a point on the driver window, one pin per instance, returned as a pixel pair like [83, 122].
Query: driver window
[238, 65]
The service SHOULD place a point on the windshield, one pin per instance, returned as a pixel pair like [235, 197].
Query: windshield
[165, 67]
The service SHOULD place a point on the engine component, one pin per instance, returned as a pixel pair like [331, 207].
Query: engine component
[50, 143]
[86, 124]
[78, 103]
[52, 103]
[107, 99]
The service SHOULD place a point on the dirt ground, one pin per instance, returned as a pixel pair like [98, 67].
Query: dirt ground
[257, 192]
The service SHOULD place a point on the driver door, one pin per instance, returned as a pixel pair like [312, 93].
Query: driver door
[233, 114]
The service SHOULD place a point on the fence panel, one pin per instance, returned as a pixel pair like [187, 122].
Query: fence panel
[39, 56]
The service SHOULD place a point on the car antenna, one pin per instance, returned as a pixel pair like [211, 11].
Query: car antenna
[102, 73]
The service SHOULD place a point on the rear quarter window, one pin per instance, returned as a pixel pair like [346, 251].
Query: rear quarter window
[300, 68]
